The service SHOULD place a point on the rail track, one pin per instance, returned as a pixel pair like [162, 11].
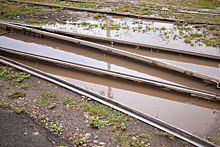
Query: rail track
[40, 32]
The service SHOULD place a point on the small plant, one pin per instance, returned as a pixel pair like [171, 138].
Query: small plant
[17, 94]
[26, 86]
[84, 99]
[51, 106]
[137, 48]
[4, 105]
[58, 115]
[102, 92]
[42, 117]
[74, 17]
[131, 139]
[170, 136]
[79, 141]
[48, 95]
[69, 100]
[187, 41]
[19, 110]
[55, 128]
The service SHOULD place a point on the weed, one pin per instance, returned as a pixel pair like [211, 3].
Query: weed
[174, 37]
[55, 128]
[17, 94]
[58, 115]
[42, 117]
[4, 105]
[137, 48]
[170, 136]
[69, 102]
[210, 43]
[185, 143]
[132, 139]
[187, 41]
[163, 145]
[195, 35]
[102, 92]
[102, 115]
[42, 13]
[48, 95]
[163, 28]
[51, 106]
[19, 110]
[74, 17]
[84, 99]
[40, 102]
[26, 86]
[79, 141]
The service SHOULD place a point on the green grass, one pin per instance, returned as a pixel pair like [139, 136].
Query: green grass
[187, 41]
[17, 94]
[55, 128]
[102, 115]
[26, 86]
[19, 110]
[4, 105]
[51, 106]
[131, 139]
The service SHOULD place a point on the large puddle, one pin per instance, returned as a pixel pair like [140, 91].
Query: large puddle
[150, 32]
[192, 115]
[86, 56]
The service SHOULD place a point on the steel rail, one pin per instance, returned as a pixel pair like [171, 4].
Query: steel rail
[186, 136]
[144, 59]
[119, 75]
[112, 13]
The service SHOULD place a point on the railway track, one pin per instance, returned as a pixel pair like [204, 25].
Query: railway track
[39, 32]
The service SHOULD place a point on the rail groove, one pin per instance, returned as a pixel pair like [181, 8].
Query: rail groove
[144, 59]
[114, 104]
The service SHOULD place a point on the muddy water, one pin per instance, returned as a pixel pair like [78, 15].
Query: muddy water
[148, 32]
[77, 54]
[193, 115]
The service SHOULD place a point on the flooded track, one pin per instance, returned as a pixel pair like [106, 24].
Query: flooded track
[85, 56]
[211, 76]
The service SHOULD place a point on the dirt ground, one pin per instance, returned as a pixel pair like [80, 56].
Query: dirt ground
[73, 121]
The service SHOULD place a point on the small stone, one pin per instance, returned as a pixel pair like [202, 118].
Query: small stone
[38, 82]
[45, 17]
[134, 138]
[102, 143]
[95, 141]
[87, 134]
[96, 136]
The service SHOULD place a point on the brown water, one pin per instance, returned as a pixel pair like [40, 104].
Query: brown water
[193, 115]
[86, 56]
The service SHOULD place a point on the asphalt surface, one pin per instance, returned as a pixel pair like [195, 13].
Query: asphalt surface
[16, 131]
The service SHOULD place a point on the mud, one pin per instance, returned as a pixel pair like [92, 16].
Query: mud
[87, 56]
[187, 113]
